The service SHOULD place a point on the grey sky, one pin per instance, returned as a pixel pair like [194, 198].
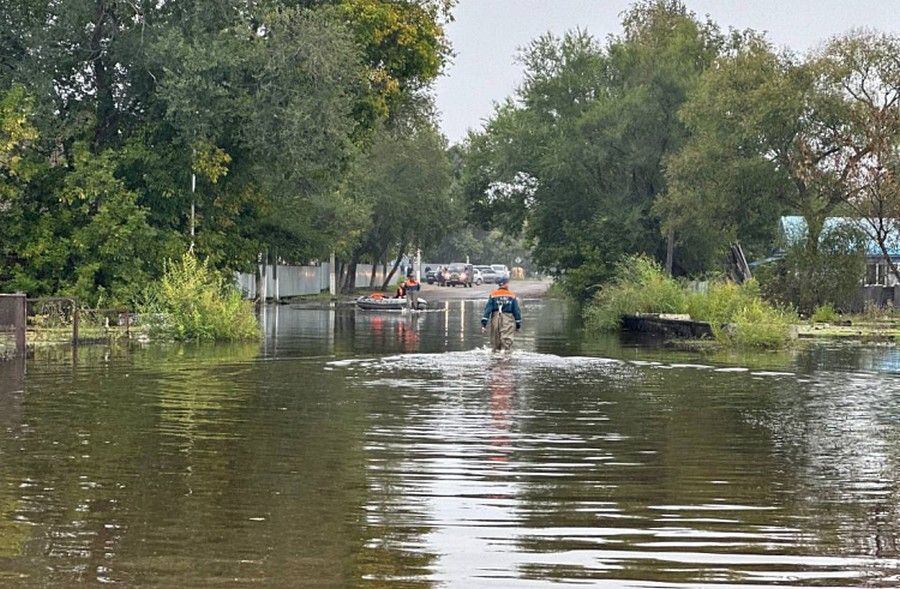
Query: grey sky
[486, 35]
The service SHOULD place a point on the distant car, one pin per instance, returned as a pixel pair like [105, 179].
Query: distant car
[486, 273]
[431, 276]
[459, 274]
[501, 270]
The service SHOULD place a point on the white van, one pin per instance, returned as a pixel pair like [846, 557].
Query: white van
[501, 270]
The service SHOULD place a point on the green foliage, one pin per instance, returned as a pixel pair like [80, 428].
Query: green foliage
[210, 162]
[404, 45]
[15, 128]
[461, 239]
[771, 133]
[758, 325]
[824, 314]
[191, 301]
[577, 160]
[108, 107]
[737, 313]
[90, 238]
[404, 183]
[806, 278]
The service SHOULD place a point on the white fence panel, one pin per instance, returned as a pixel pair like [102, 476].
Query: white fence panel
[302, 280]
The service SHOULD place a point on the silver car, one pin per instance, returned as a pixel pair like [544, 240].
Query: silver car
[486, 275]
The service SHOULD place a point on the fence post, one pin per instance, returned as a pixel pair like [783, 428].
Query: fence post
[21, 322]
[76, 319]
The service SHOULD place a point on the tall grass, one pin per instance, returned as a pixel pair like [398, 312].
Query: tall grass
[639, 286]
[194, 302]
[737, 313]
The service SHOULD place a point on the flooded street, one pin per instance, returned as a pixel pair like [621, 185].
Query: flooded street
[377, 449]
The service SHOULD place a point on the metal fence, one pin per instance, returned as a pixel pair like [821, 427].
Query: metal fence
[62, 319]
[877, 296]
[12, 325]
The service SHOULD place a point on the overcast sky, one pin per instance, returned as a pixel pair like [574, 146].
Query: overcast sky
[487, 34]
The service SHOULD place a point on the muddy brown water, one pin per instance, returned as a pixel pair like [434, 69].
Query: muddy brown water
[366, 449]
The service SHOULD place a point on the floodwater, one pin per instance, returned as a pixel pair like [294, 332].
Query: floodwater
[365, 449]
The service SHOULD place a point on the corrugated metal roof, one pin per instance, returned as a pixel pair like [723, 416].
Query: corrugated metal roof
[794, 229]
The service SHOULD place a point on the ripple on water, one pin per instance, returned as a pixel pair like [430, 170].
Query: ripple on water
[513, 448]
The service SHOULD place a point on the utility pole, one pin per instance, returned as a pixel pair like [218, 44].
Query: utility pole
[332, 276]
[670, 251]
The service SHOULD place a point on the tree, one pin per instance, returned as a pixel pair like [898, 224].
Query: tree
[405, 182]
[577, 159]
[404, 45]
[773, 133]
[862, 69]
[16, 133]
[265, 102]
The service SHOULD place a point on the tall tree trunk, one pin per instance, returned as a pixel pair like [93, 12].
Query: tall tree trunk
[387, 279]
[374, 274]
[276, 294]
[809, 287]
[341, 268]
[103, 85]
[887, 258]
[350, 278]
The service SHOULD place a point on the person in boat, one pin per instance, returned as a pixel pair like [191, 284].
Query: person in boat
[504, 315]
[411, 287]
[400, 293]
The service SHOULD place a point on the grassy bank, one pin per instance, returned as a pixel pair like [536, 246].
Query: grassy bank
[737, 313]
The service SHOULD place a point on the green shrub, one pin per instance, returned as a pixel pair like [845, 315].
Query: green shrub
[193, 302]
[824, 314]
[640, 286]
[756, 325]
[737, 312]
[831, 274]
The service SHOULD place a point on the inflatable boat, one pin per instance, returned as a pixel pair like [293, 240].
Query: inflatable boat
[371, 303]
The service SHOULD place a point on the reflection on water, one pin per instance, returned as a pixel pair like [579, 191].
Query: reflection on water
[356, 449]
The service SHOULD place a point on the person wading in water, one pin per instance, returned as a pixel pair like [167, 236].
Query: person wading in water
[503, 313]
[411, 289]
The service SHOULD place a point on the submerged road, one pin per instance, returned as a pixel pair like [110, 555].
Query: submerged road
[368, 449]
[522, 288]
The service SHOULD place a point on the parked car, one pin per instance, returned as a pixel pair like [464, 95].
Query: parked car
[459, 273]
[501, 270]
[431, 275]
[486, 273]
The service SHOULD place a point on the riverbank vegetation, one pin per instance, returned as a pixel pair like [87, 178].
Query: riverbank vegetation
[737, 313]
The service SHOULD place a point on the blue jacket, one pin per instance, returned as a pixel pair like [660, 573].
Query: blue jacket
[504, 301]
